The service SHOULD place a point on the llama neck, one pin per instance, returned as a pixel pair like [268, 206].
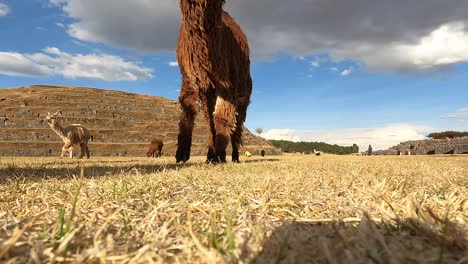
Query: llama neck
[59, 130]
[202, 17]
[203, 27]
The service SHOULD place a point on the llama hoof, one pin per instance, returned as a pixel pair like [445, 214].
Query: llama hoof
[221, 159]
[235, 158]
[182, 158]
[212, 161]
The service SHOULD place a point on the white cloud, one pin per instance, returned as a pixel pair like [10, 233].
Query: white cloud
[334, 69]
[4, 10]
[53, 61]
[347, 72]
[445, 45]
[59, 24]
[17, 64]
[173, 64]
[310, 76]
[461, 114]
[379, 137]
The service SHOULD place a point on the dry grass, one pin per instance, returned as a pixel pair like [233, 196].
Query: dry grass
[290, 209]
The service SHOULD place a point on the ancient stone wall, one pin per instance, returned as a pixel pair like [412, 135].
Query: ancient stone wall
[429, 147]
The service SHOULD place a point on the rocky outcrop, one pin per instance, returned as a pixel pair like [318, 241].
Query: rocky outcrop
[122, 124]
[429, 147]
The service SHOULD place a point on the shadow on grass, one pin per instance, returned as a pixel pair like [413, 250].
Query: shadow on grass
[69, 169]
[74, 170]
[407, 241]
[259, 160]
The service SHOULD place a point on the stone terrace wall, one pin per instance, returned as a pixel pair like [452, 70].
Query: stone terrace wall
[430, 146]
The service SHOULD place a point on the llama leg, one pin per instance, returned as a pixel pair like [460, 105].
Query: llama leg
[70, 150]
[236, 137]
[208, 104]
[82, 150]
[63, 151]
[236, 142]
[65, 148]
[224, 118]
[189, 103]
[87, 150]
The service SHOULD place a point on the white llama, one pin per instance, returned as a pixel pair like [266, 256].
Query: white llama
[71, 135]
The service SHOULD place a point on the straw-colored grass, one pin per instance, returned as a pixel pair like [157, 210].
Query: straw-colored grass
[289, 209]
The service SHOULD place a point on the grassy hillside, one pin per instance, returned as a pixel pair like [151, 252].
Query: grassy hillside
[122, 124]
[286, 209]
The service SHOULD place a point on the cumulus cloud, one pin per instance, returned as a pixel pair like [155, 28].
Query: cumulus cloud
[379, 137]
[139, 24]
[4, 10]
[17, 64]
[53, 61]
[398, 36]
[173, 64]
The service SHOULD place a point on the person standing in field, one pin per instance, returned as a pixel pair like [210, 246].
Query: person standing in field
[369, 150]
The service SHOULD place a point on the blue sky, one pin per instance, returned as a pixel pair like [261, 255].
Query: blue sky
[362, 78]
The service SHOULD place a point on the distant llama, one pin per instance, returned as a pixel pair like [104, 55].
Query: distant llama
[213, 57]
[155, 148]
[317, 153]
[71, 135]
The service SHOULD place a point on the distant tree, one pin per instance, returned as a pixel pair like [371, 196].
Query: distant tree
[304, 147]
[259, 131]
[448, 134]
[355, 148]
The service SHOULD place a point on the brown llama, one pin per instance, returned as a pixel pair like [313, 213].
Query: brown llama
[71, 135]
[213, 56]
[155, 148]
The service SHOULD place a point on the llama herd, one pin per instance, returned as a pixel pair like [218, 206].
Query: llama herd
[77, 134]
[214, 61]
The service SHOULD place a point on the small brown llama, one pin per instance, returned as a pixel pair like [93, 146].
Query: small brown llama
[71, 135]
[155, 148]
[213, 56]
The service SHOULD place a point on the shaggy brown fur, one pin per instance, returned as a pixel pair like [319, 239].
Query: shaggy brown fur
[155, 148]
[213, 56]
[71, 135]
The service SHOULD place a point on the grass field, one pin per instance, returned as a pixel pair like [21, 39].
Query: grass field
[283, 209]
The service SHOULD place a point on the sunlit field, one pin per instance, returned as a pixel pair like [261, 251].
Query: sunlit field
[277, 209]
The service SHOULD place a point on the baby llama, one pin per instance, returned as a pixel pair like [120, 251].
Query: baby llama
[71, 135]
